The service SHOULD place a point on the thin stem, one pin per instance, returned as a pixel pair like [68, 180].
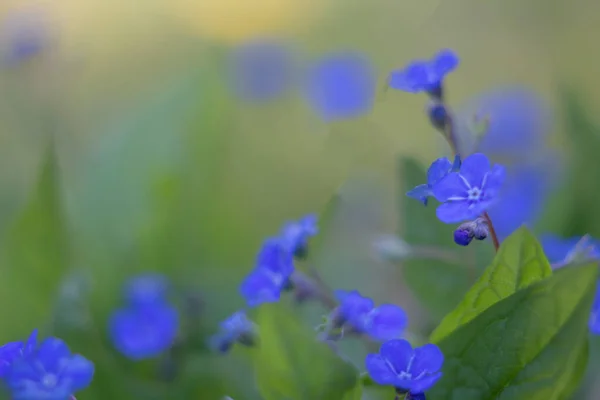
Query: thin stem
[493, 234]
[449, 132]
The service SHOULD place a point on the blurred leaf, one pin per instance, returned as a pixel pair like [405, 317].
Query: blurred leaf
[519, 263]
[526, 346]
[438, 284]
[34, 254]
[291, 364]
[354, 394]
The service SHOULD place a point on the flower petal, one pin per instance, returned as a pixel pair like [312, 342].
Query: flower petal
[438, 169]
[456, 211]
[398, 352]
[379, 370]
[52, 353]
[445, 61]
[428, 358]
[425, 383]
[410, 79]
[494, 180]
[421, 193]
[386, 322]
[450, 186]
[258, 287]
[474, 168]
[79, 371]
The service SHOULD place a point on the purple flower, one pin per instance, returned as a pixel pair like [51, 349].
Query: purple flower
[385, 322]
[399, 365]
[48, 371]
[341, 86]
[274, 266]
[144, 331]
[436, 172]
[471, 191]
[146, 289]
[262, 70]
[425, 75]
[236, 328]
[295, 234]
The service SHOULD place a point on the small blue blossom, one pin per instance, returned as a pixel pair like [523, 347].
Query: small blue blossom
[341, 86]
[236, 328]
[295, 234]
[141, 332]
[271, 274]
[425, 75]
[262, 70]
[384, 322]
[48, 371]
[559, 250]
[14, 350]
[146, 289]
[471, 191]
[399, 365]
[436, 172]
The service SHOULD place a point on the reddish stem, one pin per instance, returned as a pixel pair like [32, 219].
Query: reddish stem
[493, 234]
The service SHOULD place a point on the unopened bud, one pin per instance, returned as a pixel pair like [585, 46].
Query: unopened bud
[438, 114]
[463, 236]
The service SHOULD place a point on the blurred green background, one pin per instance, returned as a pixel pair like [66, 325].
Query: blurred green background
[122, 151]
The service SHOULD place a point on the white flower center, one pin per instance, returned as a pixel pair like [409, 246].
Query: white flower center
[49, 380]
[474, 194]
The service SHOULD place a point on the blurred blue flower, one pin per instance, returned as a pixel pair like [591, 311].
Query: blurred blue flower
[48, 371]
[559, 250]
[425, 75]
[398, 364]
[262, 70]
[385, 322]
[438, 170]
[594, 321]
[470, 192]
[23, 35]
[341, 86]
[236, 328]
[507, 124]
[274, 266]
[141, 332]
[146, 289]
[295, 234]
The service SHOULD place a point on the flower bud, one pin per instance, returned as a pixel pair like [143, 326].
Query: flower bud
[438, 114]
[463, 236]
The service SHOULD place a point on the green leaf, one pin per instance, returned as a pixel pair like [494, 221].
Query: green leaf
[34, 253]
[291, 364]
[439, 284]
[525, 347]
[519, 263]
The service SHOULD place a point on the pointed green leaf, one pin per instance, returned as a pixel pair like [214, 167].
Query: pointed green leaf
[527, 346]
[291, 364]
[34, 250]
[519, 263]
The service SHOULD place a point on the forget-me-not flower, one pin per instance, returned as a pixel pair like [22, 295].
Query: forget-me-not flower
[271, 274]
[14, 350]
[399, 365]
[438, 170]
[341, 86]
[471, 191]
[384, 322]
[46, 371]
[236, 328]
[262, 70]
[425, 75]
[295, 234]
[146, 289]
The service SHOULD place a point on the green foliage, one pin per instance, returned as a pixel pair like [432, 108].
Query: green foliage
[291, 364]
[439, 273]
[529, 345]
[519, 262]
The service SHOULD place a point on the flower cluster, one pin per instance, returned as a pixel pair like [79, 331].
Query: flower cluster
[47, 370]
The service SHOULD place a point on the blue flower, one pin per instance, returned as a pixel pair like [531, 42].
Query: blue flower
[594, 321]
[471, 191]
[295, 234]
[438, 170]
[262, 70]
[25, 35]
[14, 350]
[146, 289]
[236, 328]
[425, 75]
[141, 332]
[341, 86]
[559, 250]
[399, 365]
[274, 266]
[48, 371]
[385, 322]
